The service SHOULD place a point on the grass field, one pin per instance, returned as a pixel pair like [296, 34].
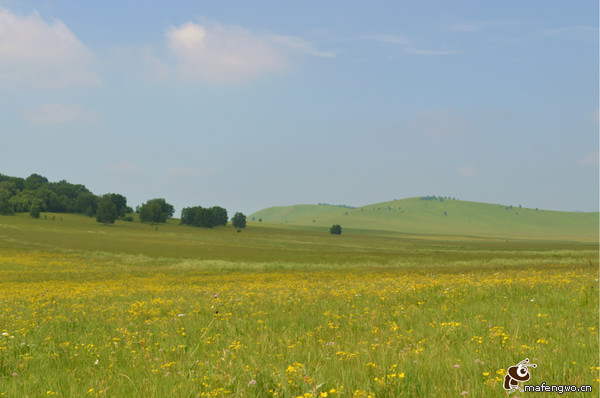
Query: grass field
[276, 310]
[446, 216]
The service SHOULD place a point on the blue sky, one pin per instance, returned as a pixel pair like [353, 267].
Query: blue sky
[248, 106]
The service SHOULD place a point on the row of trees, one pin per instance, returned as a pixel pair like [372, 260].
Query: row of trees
[199, 216]
[35, 192]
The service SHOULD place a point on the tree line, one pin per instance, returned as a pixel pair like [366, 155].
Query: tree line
[18, 195]
[35, 194]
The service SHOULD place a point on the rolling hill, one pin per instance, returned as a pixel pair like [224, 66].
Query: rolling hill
[431, 215]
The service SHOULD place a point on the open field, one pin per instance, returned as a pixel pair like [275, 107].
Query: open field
[135, 310]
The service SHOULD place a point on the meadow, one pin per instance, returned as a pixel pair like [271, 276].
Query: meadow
[287, 311]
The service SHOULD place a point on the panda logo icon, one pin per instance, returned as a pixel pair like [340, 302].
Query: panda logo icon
[517, 374]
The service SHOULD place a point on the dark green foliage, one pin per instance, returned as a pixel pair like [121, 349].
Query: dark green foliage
[107, 211]
[6, 208]
[58, 197]
[335, 229]
[35, 181]
[120, 202]
[155, 211]
[239, 220]
[128, 218]
[199, 216]
[34, 211]
[87, 203]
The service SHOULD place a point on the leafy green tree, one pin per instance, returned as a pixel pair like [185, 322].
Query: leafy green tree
[156, 210]
[187, 216]
[35, 181]
[239, 220]
[34, 211]
[218, 215]
[120, 202]
[335, 229]
[107, 211]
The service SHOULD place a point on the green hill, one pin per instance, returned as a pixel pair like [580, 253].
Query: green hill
[443, 217]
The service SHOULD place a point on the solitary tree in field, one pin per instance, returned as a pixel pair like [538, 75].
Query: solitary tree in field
[107, 211]
[239, 220]
[335, 229]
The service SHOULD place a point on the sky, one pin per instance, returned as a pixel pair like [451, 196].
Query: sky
[247, 105]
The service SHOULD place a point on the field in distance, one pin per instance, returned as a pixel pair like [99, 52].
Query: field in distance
[131, 309]
[434, 215]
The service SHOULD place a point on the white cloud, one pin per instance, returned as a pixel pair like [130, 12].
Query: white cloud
[225, 54]
[591, 159]
[408, 47]
[467, 171]
[438, 123]
[121, 167]
[49, 114]
[34, 53]
[300, 45]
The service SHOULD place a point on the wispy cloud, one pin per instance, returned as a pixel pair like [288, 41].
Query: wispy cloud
[227, 54]
[53, 114]
[300, 45]
[580, 32]
[390, 39]
[467, 171]
[420, 51]
[34, 53]
[595, 116]
[530, 30]
[477, 26]
[407, 46]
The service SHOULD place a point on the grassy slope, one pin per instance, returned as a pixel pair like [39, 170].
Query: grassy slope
[417, 216]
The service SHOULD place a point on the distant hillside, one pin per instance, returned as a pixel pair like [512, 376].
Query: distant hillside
[430, 215]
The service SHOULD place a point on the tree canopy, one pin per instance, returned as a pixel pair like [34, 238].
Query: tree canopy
[156, 211]
[239, 220]
[107, 210]
[335, 229]
[19, 194]
[204, 217]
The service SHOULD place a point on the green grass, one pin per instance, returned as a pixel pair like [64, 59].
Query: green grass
[278, 310]
[417, 216]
